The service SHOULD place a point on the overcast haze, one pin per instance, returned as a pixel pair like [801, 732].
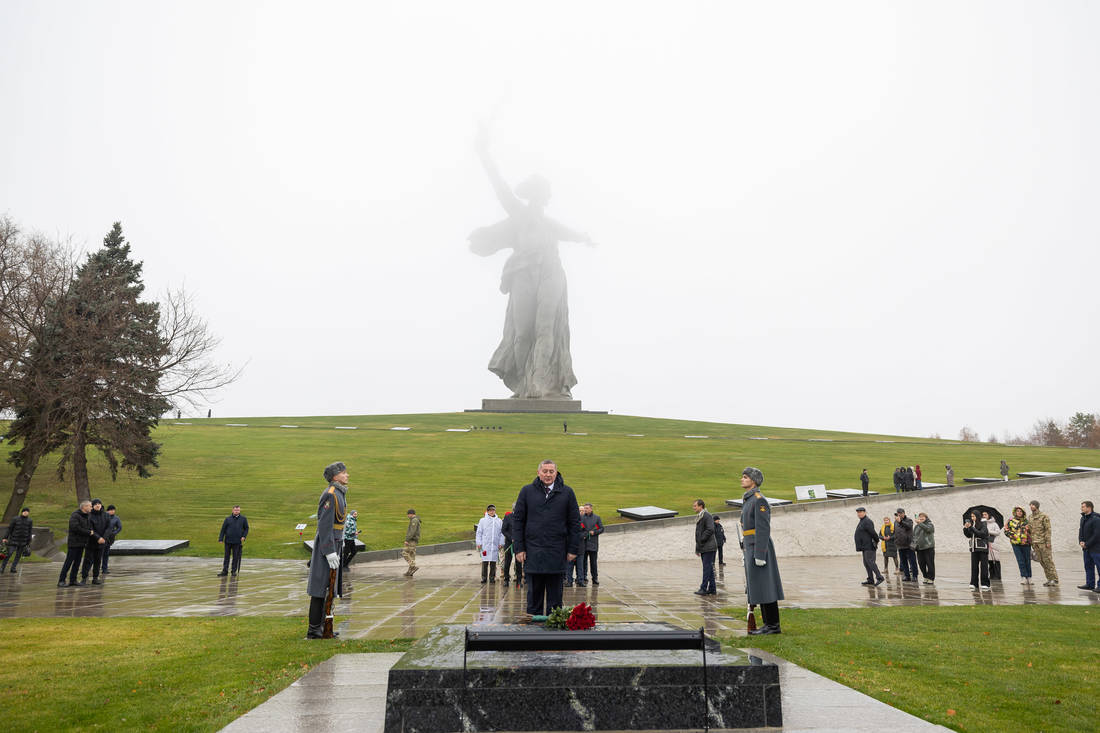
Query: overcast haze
[859, 216]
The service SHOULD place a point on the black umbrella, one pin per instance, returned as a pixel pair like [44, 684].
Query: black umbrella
[977, 511]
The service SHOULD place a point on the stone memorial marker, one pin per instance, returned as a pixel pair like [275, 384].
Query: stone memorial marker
[625, 679]
[1038, 474]
[1080, 469]
[646, 512]
[811, 491]
[147, 547]
[848, 493]
[983, 480]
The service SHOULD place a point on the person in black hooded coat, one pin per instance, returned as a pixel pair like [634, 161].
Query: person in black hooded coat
[546, 532]
[93, 554]
[19, 536]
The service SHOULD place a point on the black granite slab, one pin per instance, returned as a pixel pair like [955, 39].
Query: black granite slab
[430, 691]
[848, 493]
[982, 480]
[147, 547]
[1080, 469]
[646, 512]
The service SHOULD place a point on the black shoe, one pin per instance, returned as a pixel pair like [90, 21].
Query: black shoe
[582, 585]
[1085, 587]
[568, 585]
[880, 581]
[222, 574]
[712, 593]
[595, 582]
[314, 632]
[233, 574]
[493, 580]
[721, 564]
[506, 581]
[62, 584]
[483, 581]
[766, 629]
[701, 593]
[867, 582]
[81, 583]
[97, 581]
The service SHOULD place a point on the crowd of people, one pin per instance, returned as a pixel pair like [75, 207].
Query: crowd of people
[912, 545]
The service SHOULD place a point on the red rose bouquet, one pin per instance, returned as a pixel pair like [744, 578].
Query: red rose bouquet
[581, 618]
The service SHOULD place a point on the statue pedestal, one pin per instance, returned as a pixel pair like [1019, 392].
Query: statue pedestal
[514, 405]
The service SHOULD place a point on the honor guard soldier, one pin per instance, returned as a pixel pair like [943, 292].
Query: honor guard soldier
[332, 509]
[762, 581]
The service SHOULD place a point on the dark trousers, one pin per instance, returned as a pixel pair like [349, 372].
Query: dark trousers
[316, 611]
[540, 584]
[769, 613]
[908, 560]
[590, 559]
[886, 561]
[979, 568]
[350, 548]
[573, 572]
[870, 565]
[506, 564]
[233, 551]
[1023, 559]
[15, 554]
[926, 559]
[106, 555]
[93, 557]
[708, 585]
[1091, 557]
[489, 568]
[72, 564]
[580, 565]
[721, 561]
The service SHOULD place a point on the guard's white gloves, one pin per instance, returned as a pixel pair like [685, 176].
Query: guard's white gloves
[333, 560]
[760, 563]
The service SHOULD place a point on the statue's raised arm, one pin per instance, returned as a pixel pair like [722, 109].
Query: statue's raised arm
[504, 194]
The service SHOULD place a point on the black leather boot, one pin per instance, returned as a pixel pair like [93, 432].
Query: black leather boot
[314, 632]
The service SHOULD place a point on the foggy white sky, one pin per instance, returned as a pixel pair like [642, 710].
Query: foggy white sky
[865, 215]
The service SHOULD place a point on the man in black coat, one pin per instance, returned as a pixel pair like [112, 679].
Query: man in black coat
[546, 530]
[19, 536]
[93, 553]
[867, 543]
[903, 538]
[80, 535]
[593, 528]
[234, 531]
[865, 481]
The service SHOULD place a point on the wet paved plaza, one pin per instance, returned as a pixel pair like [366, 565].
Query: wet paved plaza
[380, 603]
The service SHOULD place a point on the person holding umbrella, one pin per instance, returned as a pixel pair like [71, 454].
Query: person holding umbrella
[978, 536]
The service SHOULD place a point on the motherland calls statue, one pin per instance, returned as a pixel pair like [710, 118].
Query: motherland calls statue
[533, 358]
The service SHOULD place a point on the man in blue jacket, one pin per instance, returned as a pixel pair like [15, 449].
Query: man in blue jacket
[234, 531]
[546, 530]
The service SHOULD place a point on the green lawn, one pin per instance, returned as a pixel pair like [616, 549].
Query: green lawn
[1027, 668]
[152, 673]
[970, 668]
[449, 477]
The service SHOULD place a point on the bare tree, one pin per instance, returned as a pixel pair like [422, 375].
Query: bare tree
[187, 371]
[35, 274]
[968, 435]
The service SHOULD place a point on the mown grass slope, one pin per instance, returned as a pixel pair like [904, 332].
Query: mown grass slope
[275, 472]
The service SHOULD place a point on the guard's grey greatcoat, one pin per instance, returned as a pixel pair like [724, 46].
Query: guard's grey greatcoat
[332, 509]
[546, 527]
[762, 584]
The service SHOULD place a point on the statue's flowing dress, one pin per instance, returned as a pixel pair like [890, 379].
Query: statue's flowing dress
[533, 357]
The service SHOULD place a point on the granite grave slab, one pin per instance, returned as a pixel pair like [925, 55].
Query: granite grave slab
[771, 501]
[1080, 469]
[147, 547]
[982, 480]
[1039, 474]
[848, 493]
[646, 512]
[440, 686]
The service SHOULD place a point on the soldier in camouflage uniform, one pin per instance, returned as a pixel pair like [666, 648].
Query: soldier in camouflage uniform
[1040, 542]
[762, 582]
[332, 509]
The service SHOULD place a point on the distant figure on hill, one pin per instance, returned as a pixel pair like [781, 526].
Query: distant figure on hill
[950, 475]
[865, 481]
[1004, 470]
[918, 474]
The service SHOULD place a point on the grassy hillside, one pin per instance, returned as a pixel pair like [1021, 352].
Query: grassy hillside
[275, 472]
